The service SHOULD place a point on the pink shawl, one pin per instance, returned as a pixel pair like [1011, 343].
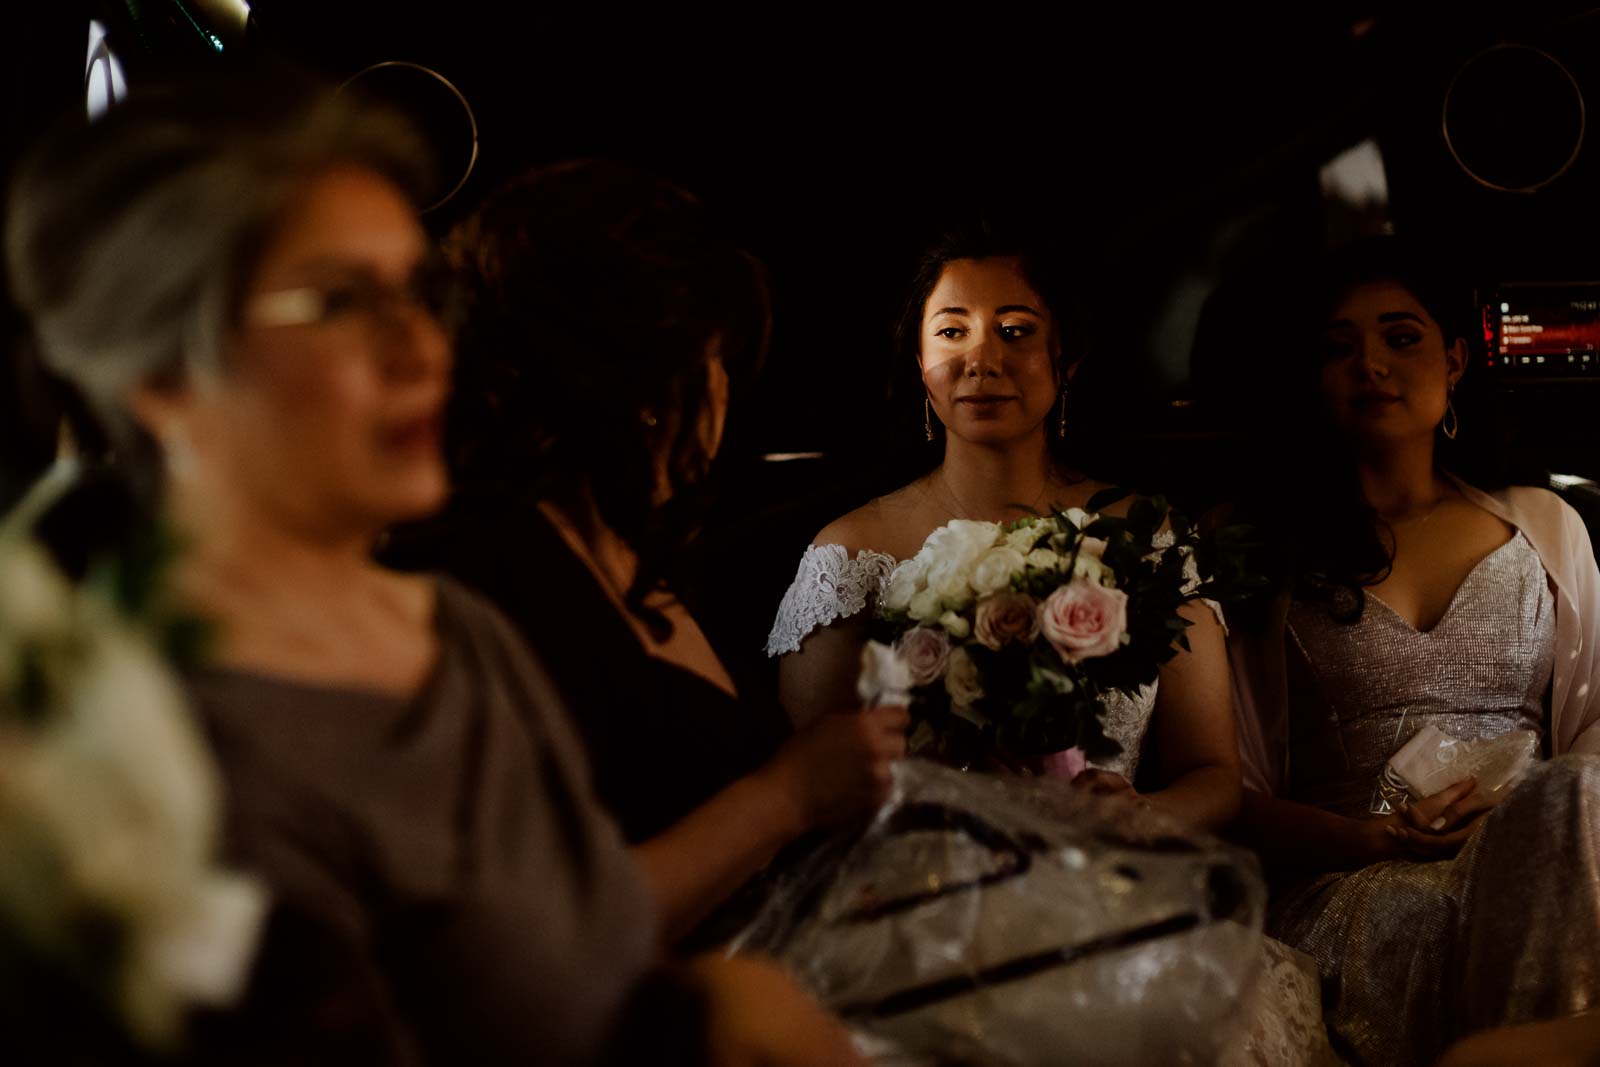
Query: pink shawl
[1260, 692]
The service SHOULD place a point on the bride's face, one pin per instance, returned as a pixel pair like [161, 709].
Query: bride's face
[988, 352]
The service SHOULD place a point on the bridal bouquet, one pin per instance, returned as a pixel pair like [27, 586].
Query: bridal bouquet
[1009, 637]
[114, 918]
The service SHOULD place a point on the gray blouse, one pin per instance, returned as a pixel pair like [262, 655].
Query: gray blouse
[447, 889]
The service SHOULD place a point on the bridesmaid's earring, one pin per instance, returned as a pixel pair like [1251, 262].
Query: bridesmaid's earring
[1061, 421]
[927, 419]
[1450, 425]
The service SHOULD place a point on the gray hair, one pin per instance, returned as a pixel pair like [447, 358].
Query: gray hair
[130, 240]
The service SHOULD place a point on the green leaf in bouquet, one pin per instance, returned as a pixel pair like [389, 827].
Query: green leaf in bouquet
[1107, 497]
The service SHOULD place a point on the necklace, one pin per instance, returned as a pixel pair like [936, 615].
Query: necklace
[1413, 519]
[961, 511]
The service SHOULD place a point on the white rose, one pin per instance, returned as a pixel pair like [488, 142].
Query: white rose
[949, 578]
[1044, 559]
[996, 569]
[924, 606]
[961, 679]
[904, 582]
[954, 625]
[1078, 517]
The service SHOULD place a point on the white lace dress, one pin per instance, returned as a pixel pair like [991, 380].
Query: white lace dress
[1281, 1022]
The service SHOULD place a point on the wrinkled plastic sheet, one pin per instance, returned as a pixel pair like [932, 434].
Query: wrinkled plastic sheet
[990, 919]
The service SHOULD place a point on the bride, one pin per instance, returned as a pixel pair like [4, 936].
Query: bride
[981, 323]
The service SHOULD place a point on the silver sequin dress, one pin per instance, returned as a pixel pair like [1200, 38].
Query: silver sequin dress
[1416, 955]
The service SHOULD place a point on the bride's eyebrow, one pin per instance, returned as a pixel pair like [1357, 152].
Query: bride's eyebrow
[1017, 307]
[952, 311]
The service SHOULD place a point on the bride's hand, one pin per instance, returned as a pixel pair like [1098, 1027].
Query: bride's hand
[841, 766]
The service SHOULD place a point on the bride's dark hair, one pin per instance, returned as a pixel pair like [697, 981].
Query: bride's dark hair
[596, 297]
[1326, 542]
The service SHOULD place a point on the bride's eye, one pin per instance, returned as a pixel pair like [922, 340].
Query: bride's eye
[1016, 331]
[949, 333]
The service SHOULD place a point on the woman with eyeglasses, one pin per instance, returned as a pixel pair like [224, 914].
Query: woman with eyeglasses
[234, 276]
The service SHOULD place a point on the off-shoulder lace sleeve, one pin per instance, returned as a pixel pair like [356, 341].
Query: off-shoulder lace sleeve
[830, 585]
[1163, 542]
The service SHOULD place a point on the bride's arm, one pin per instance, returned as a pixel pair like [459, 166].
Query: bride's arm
[1196, 752]
[821, 676]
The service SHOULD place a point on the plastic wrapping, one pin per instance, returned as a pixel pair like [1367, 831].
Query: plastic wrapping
[1433, 760]
[997, 920]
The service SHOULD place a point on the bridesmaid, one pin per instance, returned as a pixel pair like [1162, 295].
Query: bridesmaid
[235, 277]
[1417, 592]
[608, 328]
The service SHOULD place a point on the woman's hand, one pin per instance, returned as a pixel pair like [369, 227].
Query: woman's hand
[1434, 828]
[757, 1017]
[1103, 784]
[1571, 1042]
[840, 766]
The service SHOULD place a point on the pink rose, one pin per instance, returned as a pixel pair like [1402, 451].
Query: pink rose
[1006, 617]
[1084, 620]
[924, 649]
[1068, 763]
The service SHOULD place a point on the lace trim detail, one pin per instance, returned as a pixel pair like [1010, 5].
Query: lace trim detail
[1191, 574]
[829, 586]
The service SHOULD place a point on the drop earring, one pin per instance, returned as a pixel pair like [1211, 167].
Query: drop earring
[1450, 425]
[927, 419]
[1061, 420]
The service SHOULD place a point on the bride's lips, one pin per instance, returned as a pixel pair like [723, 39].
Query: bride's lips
[983, 405]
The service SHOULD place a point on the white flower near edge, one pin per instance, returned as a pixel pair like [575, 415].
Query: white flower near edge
[109, 805]
[35, 599]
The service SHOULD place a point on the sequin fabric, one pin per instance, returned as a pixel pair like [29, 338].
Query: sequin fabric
[1416, 955]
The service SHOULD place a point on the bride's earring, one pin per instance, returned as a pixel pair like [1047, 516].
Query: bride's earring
[927, 418]
[1450, 425]
[1061, 420]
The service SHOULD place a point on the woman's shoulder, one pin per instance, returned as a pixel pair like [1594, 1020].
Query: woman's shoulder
[1539, 512]
[885, 525]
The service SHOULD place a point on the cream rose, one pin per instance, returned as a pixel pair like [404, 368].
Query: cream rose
[961, 679]
[996, 569]
[1006, 617]
[1084, 620]
[924, 650]
[955, 625]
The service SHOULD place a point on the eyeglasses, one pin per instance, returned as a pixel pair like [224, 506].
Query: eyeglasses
[432, 292]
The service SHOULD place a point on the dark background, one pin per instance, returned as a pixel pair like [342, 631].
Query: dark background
[1165, 155]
